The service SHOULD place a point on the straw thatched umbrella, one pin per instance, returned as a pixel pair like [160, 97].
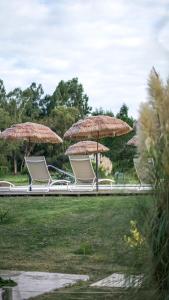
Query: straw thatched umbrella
[97, 127]
[86, 147]
[133, 141]
[32, 133]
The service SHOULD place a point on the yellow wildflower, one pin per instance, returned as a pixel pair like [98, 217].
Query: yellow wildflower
[135, 239]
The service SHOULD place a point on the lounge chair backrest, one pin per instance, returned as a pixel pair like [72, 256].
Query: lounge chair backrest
[38, 169]
[82, 169]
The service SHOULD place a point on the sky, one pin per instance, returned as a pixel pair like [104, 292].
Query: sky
[110, 45]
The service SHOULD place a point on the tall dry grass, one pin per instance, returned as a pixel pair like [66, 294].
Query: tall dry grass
[153, 132]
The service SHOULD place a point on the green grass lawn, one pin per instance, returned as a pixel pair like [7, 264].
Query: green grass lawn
[80, 235]
[16, 180]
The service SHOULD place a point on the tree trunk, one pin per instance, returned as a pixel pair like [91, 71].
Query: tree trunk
[15, 165]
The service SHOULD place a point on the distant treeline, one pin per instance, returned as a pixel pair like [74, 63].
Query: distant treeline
[59, 111]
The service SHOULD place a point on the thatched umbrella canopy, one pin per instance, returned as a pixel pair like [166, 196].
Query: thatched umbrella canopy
[97, 127]
[31, 132]
[133, 141]
[86, 147]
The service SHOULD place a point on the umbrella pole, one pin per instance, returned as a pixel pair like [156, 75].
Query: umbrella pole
[30, 181]
[97, 185]
[28, 152]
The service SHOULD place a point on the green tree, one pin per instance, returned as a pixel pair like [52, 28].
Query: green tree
[3, 101]
[123, 115]
[15, 107]
[10, 150]
[61, 118]
[69, 94]
[124, 153]
[5, 119]
[101, 111]
[31, 99]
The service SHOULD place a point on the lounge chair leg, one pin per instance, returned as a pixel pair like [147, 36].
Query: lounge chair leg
[30, 183]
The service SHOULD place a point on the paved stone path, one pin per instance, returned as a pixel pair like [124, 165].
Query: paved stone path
[32, 284]
[119, 281]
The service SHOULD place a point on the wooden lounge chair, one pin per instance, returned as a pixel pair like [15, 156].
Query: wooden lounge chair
[39, 172]
[83, 171]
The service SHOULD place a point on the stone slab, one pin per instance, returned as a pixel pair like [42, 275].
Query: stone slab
[118, 280]
[32, 284]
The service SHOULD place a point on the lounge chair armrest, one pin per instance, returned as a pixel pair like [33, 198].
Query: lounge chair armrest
[106, 179]
[6, 184]
[60, 181]
[61, 171]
